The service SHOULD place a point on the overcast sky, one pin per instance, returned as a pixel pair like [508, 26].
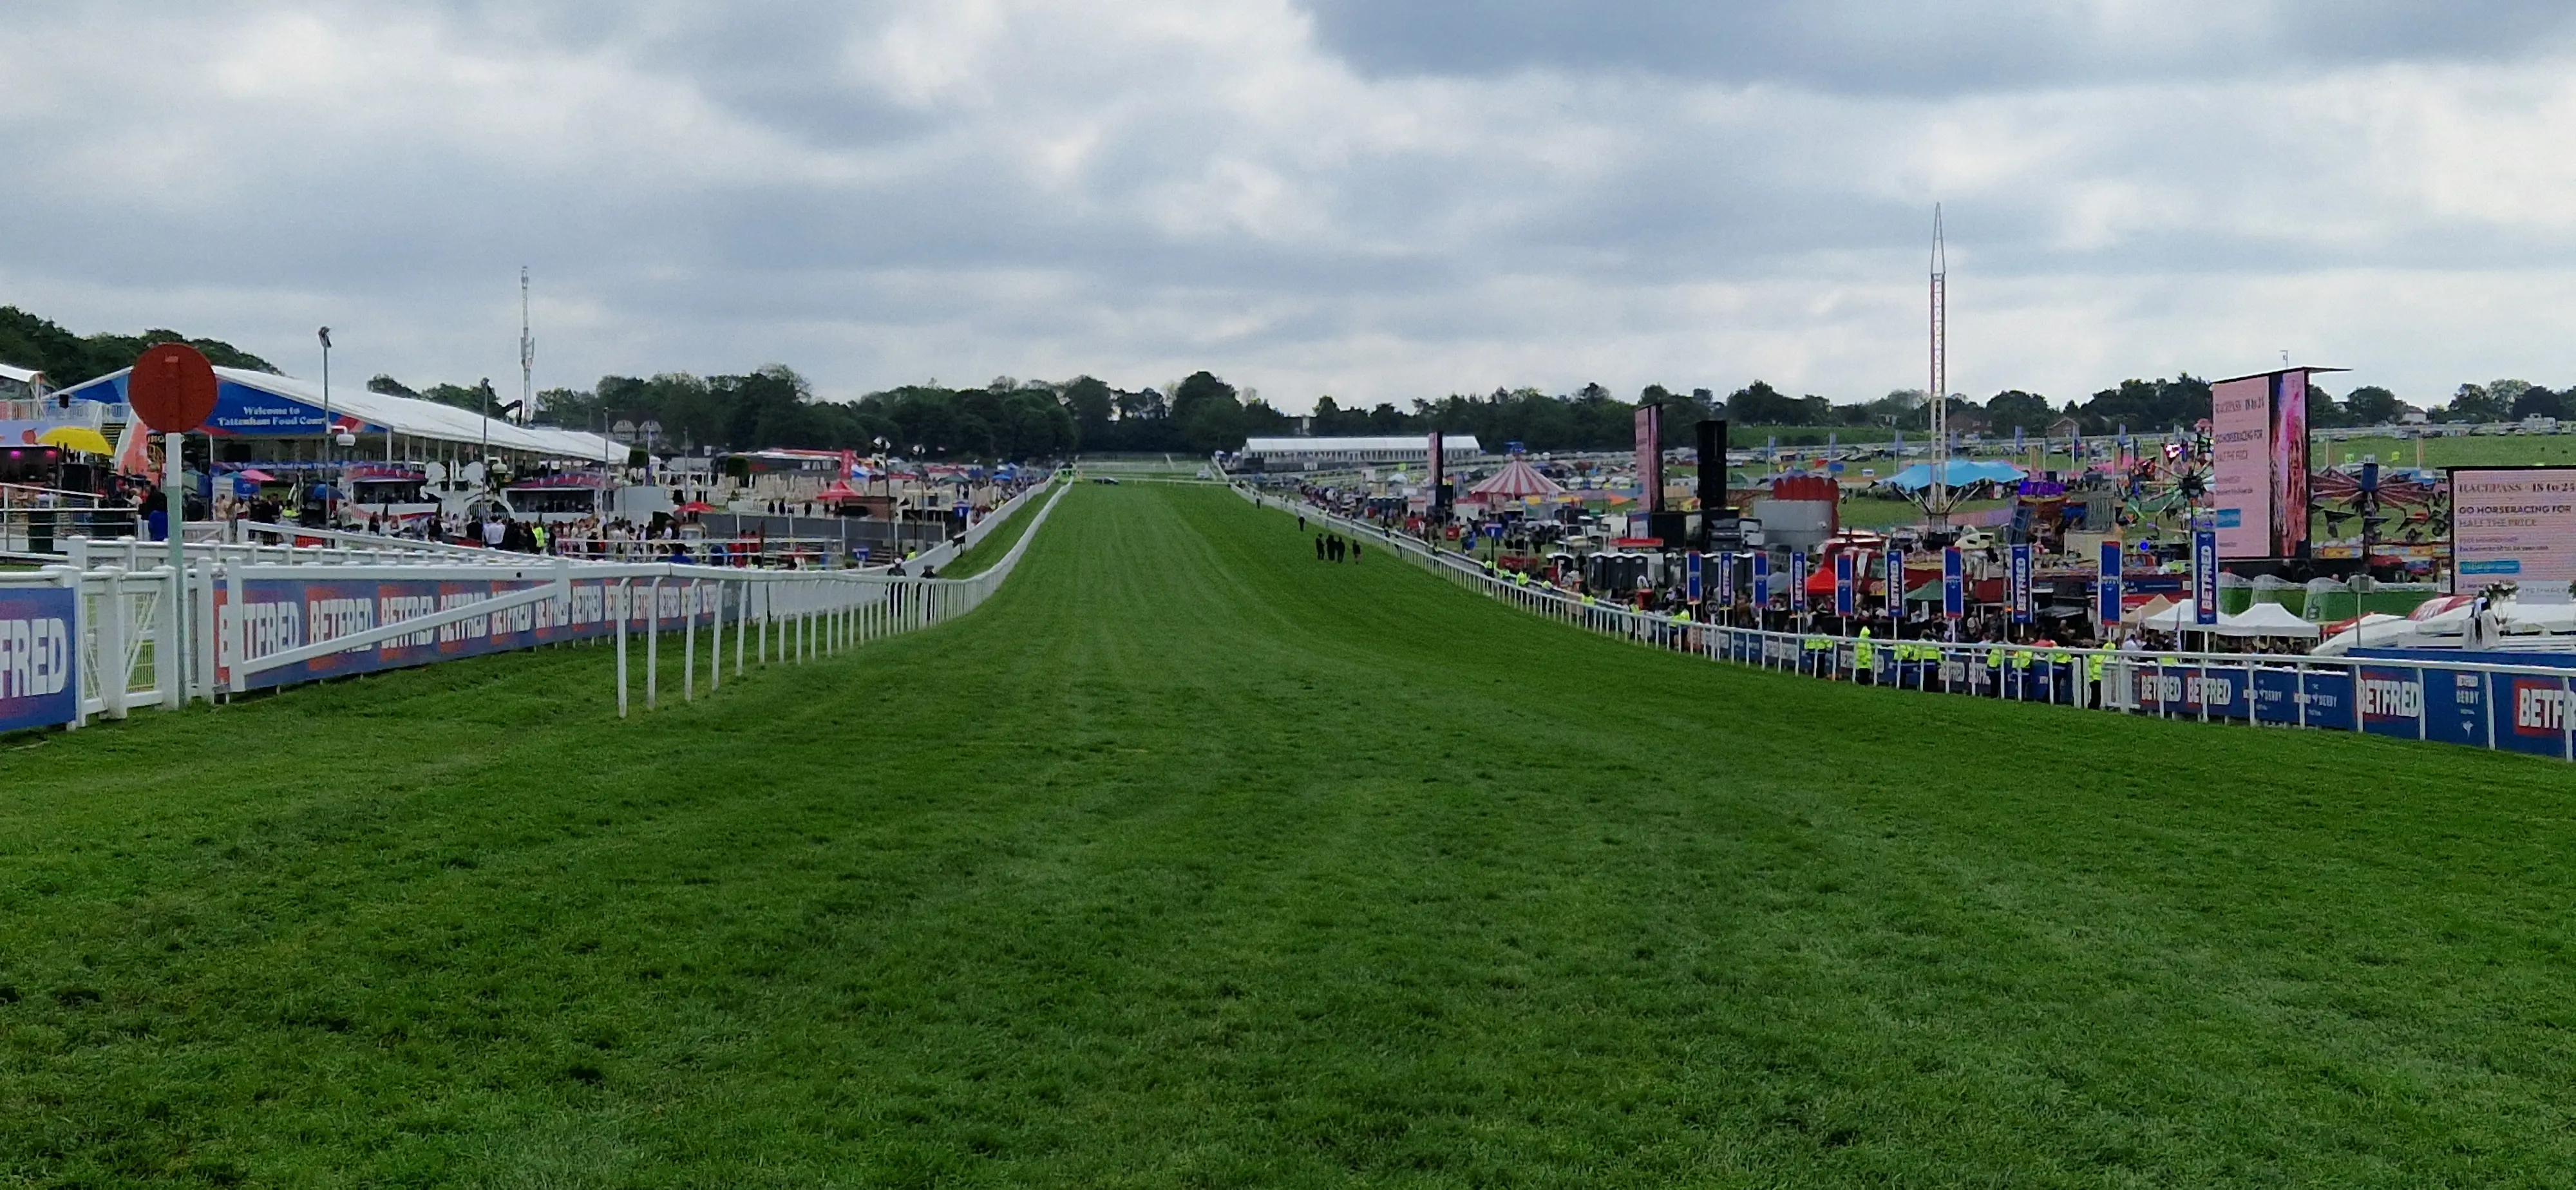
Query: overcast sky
[1376, 199]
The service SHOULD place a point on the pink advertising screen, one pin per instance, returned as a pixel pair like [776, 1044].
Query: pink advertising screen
[2289, 465]
[2240, 458]
[2513, 525]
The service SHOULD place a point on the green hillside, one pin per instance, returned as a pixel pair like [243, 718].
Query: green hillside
[1190, 860]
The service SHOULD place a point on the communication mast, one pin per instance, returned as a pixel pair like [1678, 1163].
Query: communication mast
[1939, 509]
[527, 355]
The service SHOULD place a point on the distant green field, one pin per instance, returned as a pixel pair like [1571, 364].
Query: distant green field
[1193, 861]
[2470, 451]
[1157, 464]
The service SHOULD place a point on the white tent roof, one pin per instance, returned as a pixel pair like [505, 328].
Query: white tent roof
[415, 417]
[2181, 617]
[2372, 630]
[2267, 619]
[21, 375]
[2262, 619]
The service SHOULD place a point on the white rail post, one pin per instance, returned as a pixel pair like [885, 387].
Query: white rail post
[625, 608]
[233, 632]
[202, 642]
[113, 673]
[169, 672]
[74, 576]
[653, 648]
[715, 645]
[689, 646]
[741, 620]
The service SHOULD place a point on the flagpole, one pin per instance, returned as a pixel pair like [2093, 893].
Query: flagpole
[329, 491]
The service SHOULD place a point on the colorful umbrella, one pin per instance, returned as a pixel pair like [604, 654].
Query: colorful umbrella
[79, 438]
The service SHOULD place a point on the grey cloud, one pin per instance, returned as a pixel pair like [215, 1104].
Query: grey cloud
[716, 186]
[1927, 47]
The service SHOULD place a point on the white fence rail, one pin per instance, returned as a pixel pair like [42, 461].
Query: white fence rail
[114, 629]
[2514, 708]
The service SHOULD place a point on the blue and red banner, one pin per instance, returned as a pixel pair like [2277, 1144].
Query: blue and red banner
[39, 664]
[277, 615]
[1954, 584]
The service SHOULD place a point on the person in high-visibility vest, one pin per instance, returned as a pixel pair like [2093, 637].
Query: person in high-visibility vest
[2021, 659]
[2061, 678]
[1864, 658]
[1995, 667]
[1816, 655]
[2093, 672]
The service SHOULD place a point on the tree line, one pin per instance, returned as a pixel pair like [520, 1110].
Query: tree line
[1015, 419]
[66, 359]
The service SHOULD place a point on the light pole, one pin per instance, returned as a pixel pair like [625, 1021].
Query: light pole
[485, 389]
[328, 493]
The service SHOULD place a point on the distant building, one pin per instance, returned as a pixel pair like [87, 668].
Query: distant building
[1301, 454]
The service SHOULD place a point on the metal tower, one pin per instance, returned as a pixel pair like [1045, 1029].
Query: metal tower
[527, 355]
[1938, 510]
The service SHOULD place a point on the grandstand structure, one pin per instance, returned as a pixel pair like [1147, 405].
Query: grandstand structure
[1306, 454]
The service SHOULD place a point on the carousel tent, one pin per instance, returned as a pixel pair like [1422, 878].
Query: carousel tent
[1517, 479]
[1961, 474]
[259, 404]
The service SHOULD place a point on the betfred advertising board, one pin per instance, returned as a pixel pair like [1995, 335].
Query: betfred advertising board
[278, 615]
[2532, 714]
[39, 675]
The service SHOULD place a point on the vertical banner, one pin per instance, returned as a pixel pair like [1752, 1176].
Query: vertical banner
[1650, 457]
[1726, 579]
[1798, 580]
[1895, 584]
[1843, 584]
[2019, 583]
[2204, 576]
[2106, 587]
[38, 686]
[1954, 584]
[1691, 572]
[1761, 579]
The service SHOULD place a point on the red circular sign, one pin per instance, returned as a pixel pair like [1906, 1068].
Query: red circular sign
[172, 388]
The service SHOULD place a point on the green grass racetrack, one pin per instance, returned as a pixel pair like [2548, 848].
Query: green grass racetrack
[1190, 860]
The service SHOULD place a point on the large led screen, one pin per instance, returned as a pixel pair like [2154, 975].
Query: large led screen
[2258, 481]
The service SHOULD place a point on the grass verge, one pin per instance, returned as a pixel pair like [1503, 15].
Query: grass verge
[998, 542]
[1190, 860]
